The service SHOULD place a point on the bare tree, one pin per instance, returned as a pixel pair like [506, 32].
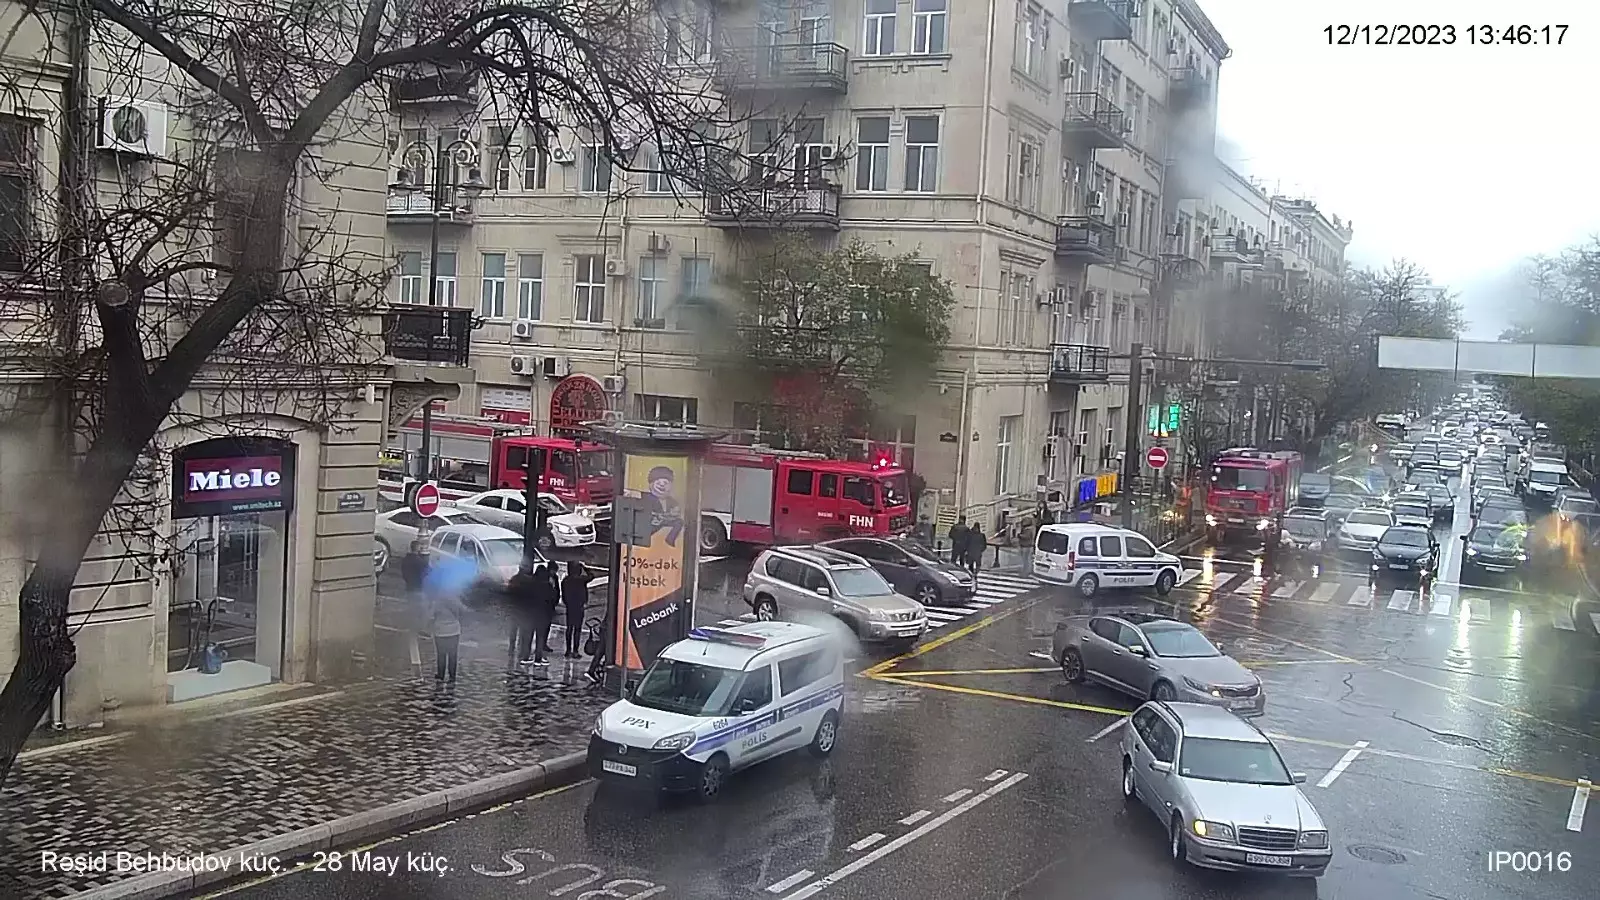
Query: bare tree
[131, 315]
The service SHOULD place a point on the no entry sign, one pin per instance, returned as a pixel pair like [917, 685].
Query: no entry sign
[1156, 457]
[425, 500]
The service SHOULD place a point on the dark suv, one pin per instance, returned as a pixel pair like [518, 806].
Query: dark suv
[913, 569]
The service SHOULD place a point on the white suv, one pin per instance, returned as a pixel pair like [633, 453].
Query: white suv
[785, 580]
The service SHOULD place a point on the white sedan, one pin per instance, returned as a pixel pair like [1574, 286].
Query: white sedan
[505, 507]
[397, 528]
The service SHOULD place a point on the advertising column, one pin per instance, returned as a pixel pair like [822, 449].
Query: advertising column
[657, 524]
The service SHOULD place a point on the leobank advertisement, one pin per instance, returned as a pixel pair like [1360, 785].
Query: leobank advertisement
[652, 594]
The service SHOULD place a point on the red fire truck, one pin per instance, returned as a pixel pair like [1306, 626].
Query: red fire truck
[1249, 490]
[756, 495]
[476, 454]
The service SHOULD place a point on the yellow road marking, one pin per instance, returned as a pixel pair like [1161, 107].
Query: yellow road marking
[1277, 736]
[940, 641]
[1030, 670]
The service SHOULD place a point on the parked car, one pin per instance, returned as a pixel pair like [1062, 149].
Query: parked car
[1155, 657]
[497, 552]
[1405, 551]
[822, 580]
[912, 569]
[397, 528]
[1221, 790]
[508, 508]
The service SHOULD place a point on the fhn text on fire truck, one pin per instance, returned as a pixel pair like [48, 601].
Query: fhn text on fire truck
[749, 494]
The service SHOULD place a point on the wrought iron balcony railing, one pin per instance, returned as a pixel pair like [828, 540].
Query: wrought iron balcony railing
[793, 66]
[1078, 363]
[1095, 121]
[428, 334]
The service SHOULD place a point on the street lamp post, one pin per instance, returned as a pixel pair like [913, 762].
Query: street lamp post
[442, 192]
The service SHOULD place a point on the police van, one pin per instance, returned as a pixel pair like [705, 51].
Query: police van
[722, 700]
[1090, 556]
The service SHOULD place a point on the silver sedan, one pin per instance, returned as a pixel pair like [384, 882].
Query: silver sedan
[1155, 657]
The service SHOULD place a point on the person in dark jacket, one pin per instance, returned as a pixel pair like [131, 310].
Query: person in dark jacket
[975, 545]
[521, 592]
[546, 595]
[958, 541]
[574, 597]
[414, 570]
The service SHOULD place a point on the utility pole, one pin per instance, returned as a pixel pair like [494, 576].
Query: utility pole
[533, 510]
[1133, 420]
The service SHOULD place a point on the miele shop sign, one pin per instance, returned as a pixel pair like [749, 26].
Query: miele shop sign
[227, 476]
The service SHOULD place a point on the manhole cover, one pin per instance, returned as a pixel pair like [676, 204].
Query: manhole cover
[1380, 855]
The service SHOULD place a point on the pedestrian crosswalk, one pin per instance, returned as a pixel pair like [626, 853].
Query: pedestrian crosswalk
[993, 589]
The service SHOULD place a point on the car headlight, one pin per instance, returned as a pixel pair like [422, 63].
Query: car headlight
[1472, 551]
[1201, 687]
[1314, 840]
[878, 615]
[1211, 520]
[1263, 525]
[675, 742]
[599, 724]
[1522, 557]
[561, 527]
[1215, 831]
[950, 577]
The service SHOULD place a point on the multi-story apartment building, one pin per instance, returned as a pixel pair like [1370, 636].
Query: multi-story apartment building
[291, 552]
[1023, 150]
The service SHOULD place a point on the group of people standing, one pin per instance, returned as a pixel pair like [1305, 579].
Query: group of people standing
[967, 544]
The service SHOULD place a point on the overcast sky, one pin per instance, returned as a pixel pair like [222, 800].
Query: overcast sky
[1465, 159]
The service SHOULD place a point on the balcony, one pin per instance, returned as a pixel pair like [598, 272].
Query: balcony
[1187, 87]
[436, 86]
[1233, 248]
[1079, 364]
[777, 206]
[1086, 238]
[788, 67]
[417, 208]
[1094, 122]
[428, 334]
[1101, 20]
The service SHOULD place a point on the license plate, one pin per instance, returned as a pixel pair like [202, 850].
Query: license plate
[1398, 566]
[1241, 704]
[1262, 859]
[617, 768]
[1236, 521]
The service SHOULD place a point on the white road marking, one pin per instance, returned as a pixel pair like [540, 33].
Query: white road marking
[1223, 580]
[951, 798]
[1040, 654]
[1107, 730]
[1441, 603]
[941, 616]
[1362, 596]
[1188, 576]
[1325, 592]
[1475, 609]
[868, 841]
[1580, 802]
[1287, 589]
[1594, 619]
[778, 887]
[1251, 586]
[1343, 763]
[916, 817]
[1401, 600]
[1562, 619]
[996, 775]
[843, 872]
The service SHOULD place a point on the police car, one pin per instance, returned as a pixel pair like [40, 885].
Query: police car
[1090, 556]
[722, 700]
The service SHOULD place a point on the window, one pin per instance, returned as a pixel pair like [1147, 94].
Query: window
[688, 40]
[411, 277]
[492, 300]
[1110, 546]
[589, 288]
[1139, 548]
[922, 153]
[872, 154]
[799, 482]
[444, 277]
[1032, 41]
[859, 490]
[236, 172]
[828, 486]
[1087, 547]
[794, 674]
[878, 39]
[929, 19]
[16, 190]
[1027, 179]
[1005, 457]
[1135, 113]
[530, 286]
[535, 163]
[504, 155]
[655, 408]
[694, 282]
[652, 290]
[1104, 629]
[656, 179]
[594, 175]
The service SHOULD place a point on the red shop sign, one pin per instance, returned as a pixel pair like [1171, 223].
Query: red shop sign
[576, 399]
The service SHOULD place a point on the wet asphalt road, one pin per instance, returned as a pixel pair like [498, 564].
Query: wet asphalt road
[987, 779]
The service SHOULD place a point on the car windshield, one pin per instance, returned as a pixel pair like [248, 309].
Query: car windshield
[1578, 505]
[1317, 481]
[894, 491]
[594, 464]
[1369, 517]
[1500, 538]
[687, 688]
[1405, 537]
[504, 552]
[1544, 477]
[1413, 510]
[1179, 641]
[1304, 527]
[1239, 762]
[1234, 478]
[860, 582]
[1344, 501]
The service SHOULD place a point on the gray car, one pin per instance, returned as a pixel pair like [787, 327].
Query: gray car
[788, 580]
[1155, 657]
[1222, 790]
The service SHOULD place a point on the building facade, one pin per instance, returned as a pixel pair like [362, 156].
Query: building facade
[217, 584]
[1023, 150]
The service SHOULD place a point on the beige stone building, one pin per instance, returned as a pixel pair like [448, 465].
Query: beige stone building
[1025, 150]
[290, 547]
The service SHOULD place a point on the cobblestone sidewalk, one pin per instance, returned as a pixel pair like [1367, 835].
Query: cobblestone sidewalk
[186, 785]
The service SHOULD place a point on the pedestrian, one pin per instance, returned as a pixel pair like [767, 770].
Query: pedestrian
[445, 611]
[597, 663]
[520, 592]
[575, 597]
[414, 571]
[958, 541]
[546, 597]
[976, 544]
[1046, 516]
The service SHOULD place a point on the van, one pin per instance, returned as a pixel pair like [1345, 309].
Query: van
[722, 700]
[1089, 556]
[1544, 479]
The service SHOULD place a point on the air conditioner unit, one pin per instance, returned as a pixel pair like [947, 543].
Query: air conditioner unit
[615, 268]
[658, 243]
[614, 384]
[557, 367]
[561, 156]
[522, 330]
[827, 153]
[1095, 200]
[524, 365]
[1068, 68]
[611, 416]
[132, 126]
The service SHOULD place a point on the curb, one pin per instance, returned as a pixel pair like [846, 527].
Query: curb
[351, 830]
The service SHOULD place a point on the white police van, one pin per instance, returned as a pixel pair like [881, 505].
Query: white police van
[722, 700]
[1090, 556]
